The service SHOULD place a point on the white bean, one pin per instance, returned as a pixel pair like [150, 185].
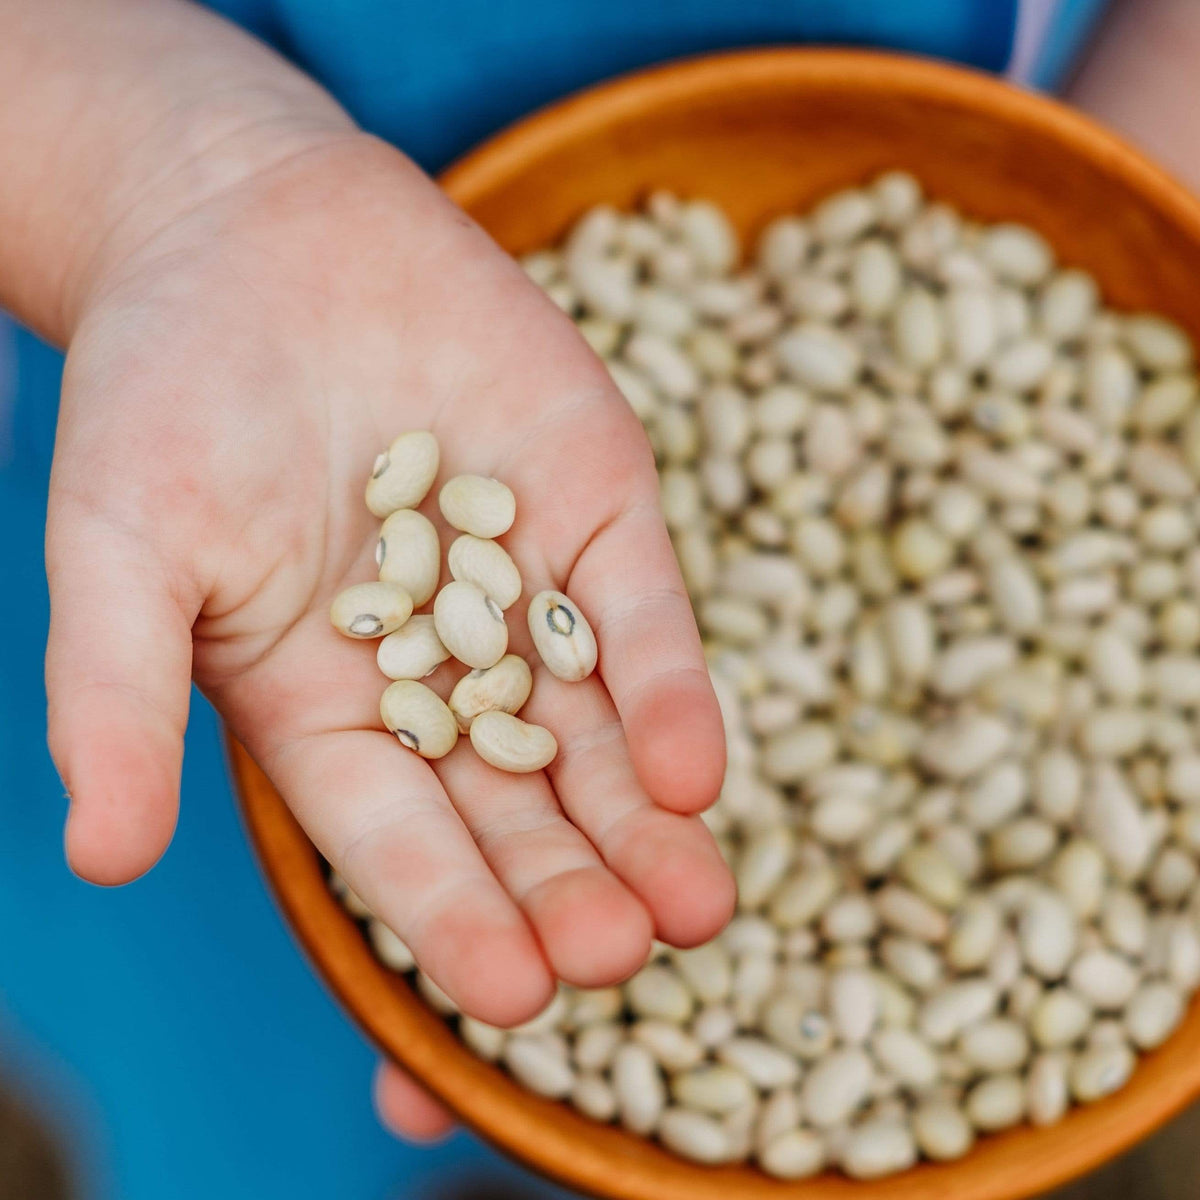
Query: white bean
[403, 473]
[419, 718]
[562, 636]
[370, 610]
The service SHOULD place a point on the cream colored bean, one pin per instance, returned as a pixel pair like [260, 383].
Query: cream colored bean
[487, 565]
[943, 1133]
[510, 744]
[403, 473]
[408, 554]
[470, 625]
[478, 505]
[640, 1091]
[412, 651]
[504, 687]
[562, 636]
[370, 610]
[391, 950]
[1099, 1071]
[419, 718]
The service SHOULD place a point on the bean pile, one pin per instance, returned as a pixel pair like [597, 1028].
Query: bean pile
[467, 622]
[937, 510]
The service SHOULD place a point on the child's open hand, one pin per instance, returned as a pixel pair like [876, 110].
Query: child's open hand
[227, 388]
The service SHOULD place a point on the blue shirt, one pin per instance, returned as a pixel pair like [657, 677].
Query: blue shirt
[172, 1027]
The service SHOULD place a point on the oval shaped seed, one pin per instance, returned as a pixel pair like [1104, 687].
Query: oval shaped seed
[798, 1154]
[408, 554]
[788, 758]
[1047, 933]
[672, 1047]
[951, 1009]
[1016, 254]
[391, 950]
[470, 625]
[783, 246]
[1153, 1013]
[504, 687]
[1115, 665]
[963, 746]
[403, 473]
[995, 1046]
[658, 992]
[714, 1024]
[763, 865]
[974, 932]
[996, 1103]
[1101, 1070]
[819, 357]
[1157, 344]
[875, 277]
[917, 329]
[943, 1133]
[1057, 784]
[693, 1135]
[931, 874]
[540, 1063]
[1059, 1018]
[765, 1065]
[804, 897]
[836, 1086]
[594, 1098]
[1104, 979]
[971, 325]
[370, 610]
[1022, 364]
[478, 505]
[486, 1040]
[878, 1147]
[419, 718]
[596, 1044]
[1066, 305]
[1022, 844]
[562, 636]
[706, 970]
[712, 1089]
[907, 1057]
[710, 236]
[1183, 953]
[1079, 875]
[1016, 594]
[412, 651]
[1113, 819]
[1157, 470]
[1047, 1088]
[908, 913]
[853, 1004]
[487, 565]
[639, 1087]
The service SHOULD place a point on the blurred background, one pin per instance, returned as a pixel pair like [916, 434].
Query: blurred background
[167, 1041]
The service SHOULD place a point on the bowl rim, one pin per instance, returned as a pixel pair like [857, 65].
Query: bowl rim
[547, 1135]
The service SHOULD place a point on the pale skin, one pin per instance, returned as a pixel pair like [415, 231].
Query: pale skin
[255, 298]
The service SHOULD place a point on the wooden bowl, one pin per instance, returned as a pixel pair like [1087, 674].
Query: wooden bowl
[762, 133]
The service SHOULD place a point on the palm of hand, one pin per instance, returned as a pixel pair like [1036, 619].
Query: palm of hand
[224, 398]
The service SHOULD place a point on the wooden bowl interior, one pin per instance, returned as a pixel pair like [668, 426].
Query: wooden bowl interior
[763, 133]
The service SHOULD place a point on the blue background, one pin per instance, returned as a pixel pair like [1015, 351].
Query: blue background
[170, 1029]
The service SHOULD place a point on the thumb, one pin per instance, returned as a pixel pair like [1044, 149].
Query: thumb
[118, 669]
